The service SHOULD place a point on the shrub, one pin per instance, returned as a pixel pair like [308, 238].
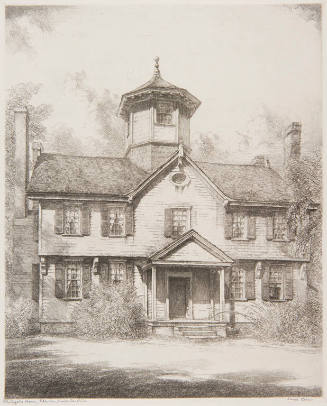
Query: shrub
[21, 318]
[111, 311]
[297, 321]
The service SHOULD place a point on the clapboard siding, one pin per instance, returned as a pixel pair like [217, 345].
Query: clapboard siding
[149, 226]
[141, 126]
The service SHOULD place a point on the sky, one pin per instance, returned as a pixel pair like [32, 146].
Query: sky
[255, 68]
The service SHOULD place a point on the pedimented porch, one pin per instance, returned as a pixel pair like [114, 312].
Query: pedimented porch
[184, 285]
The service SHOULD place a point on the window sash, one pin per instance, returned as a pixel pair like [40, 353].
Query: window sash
[164, 113]
[279, 227]
[116, 221]
[72, 220]
[180, 221]
[238, 225]
[117, 271]
[73, 280]
[276, 283]
[238, 284]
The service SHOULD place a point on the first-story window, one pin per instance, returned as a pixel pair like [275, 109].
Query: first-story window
[72, 220]
[117, 271]
[73, 280]
[116, 221]
[238, 227]
[180, 221]
[276, 284]
[237, 284]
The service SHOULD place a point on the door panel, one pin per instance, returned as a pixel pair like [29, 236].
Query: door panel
[178, 289]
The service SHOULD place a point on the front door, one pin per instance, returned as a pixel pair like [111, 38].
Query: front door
[178, 292]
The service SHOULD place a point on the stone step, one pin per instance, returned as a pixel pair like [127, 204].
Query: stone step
[211, 337]
[199, 333]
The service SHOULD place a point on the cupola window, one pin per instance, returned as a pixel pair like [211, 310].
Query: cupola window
[165, 113]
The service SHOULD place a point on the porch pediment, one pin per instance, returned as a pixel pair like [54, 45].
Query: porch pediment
[191, 247]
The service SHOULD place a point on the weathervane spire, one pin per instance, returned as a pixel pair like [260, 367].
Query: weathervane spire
[156, 72]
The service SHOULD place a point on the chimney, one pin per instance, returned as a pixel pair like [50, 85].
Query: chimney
[292, 143]
[21, 161]
[261, 160]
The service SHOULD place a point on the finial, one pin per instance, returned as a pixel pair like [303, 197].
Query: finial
[156, 67]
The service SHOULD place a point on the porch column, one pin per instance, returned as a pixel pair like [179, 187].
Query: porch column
[211, 291]
[222, 294]
[145, 291]
[154, 293]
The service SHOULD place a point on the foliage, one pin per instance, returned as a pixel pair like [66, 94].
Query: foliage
[297, 321]
[21, 318]
[305, 178]
[112, 311]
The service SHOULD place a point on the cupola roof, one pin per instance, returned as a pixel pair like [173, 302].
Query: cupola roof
[156, 88]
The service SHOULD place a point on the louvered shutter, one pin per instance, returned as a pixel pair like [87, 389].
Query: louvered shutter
[251, 227]
[86, 219]
[250, 284]
[129, 219]
[60, 280]
[168, 222]
[265, 284]
[104, 272]
[35, 281]
[36, 226]
[228, 225]
[290, 233]
[129, 270]
[86, 279]
[288, 283]
[227, 285]
[59, 218]
[270, 228]
[104, 221]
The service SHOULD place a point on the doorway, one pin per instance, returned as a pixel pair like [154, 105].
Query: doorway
[178, 297]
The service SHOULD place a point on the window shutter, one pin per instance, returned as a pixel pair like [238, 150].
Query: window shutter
[228, 225]
[104, 221]
[86, 217]
[129, 220]
[35, 281]
[36, 226]
[104, 272]
[251, 227]
[270, 228]
[129, 270]
[59, 219]
[60, 280]
[168, 222]
[265, 284]
[288, 283]
[86, 284]
[227, 285]
[290, 233]
[250, 284]
[193, 217]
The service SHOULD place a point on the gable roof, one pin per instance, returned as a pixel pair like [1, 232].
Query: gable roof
[216, 256]
[56, 173]
[251, 183]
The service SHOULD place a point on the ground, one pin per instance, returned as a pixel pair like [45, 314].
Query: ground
[54, 366]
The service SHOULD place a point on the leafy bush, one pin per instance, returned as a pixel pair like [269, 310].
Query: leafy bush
[111, 311]
[297, 321]
[21, 318]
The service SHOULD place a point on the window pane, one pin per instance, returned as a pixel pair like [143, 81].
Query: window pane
[116, 221]
[276, 283]
[280, 227]
[117, 271]
[72, 220]
[238, 225]
[180, 221]
[238, 285]
[73, 280]
[164, 113]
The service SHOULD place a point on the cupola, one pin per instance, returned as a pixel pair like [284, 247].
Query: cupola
[157, 116]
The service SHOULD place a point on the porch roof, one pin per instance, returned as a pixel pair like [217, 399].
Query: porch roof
[191, 249]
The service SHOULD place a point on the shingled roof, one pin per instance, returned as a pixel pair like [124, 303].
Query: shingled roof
[247, 182]
[64, 174]
[55, 173]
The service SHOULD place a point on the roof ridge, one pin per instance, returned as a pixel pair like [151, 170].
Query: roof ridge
[84, 156]
[221, 163]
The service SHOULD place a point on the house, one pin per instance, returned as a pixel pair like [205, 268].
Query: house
[202, 242]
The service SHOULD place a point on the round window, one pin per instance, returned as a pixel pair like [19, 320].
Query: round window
[179, 178]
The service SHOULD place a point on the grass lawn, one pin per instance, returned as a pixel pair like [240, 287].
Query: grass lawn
[67, 367]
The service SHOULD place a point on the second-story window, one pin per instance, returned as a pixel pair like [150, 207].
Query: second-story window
[279, 227]
[238, 227]
[116, 221]
[164, 113]
[180, 221]
[72, 216]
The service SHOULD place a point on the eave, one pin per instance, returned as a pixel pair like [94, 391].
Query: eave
[75, 196]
